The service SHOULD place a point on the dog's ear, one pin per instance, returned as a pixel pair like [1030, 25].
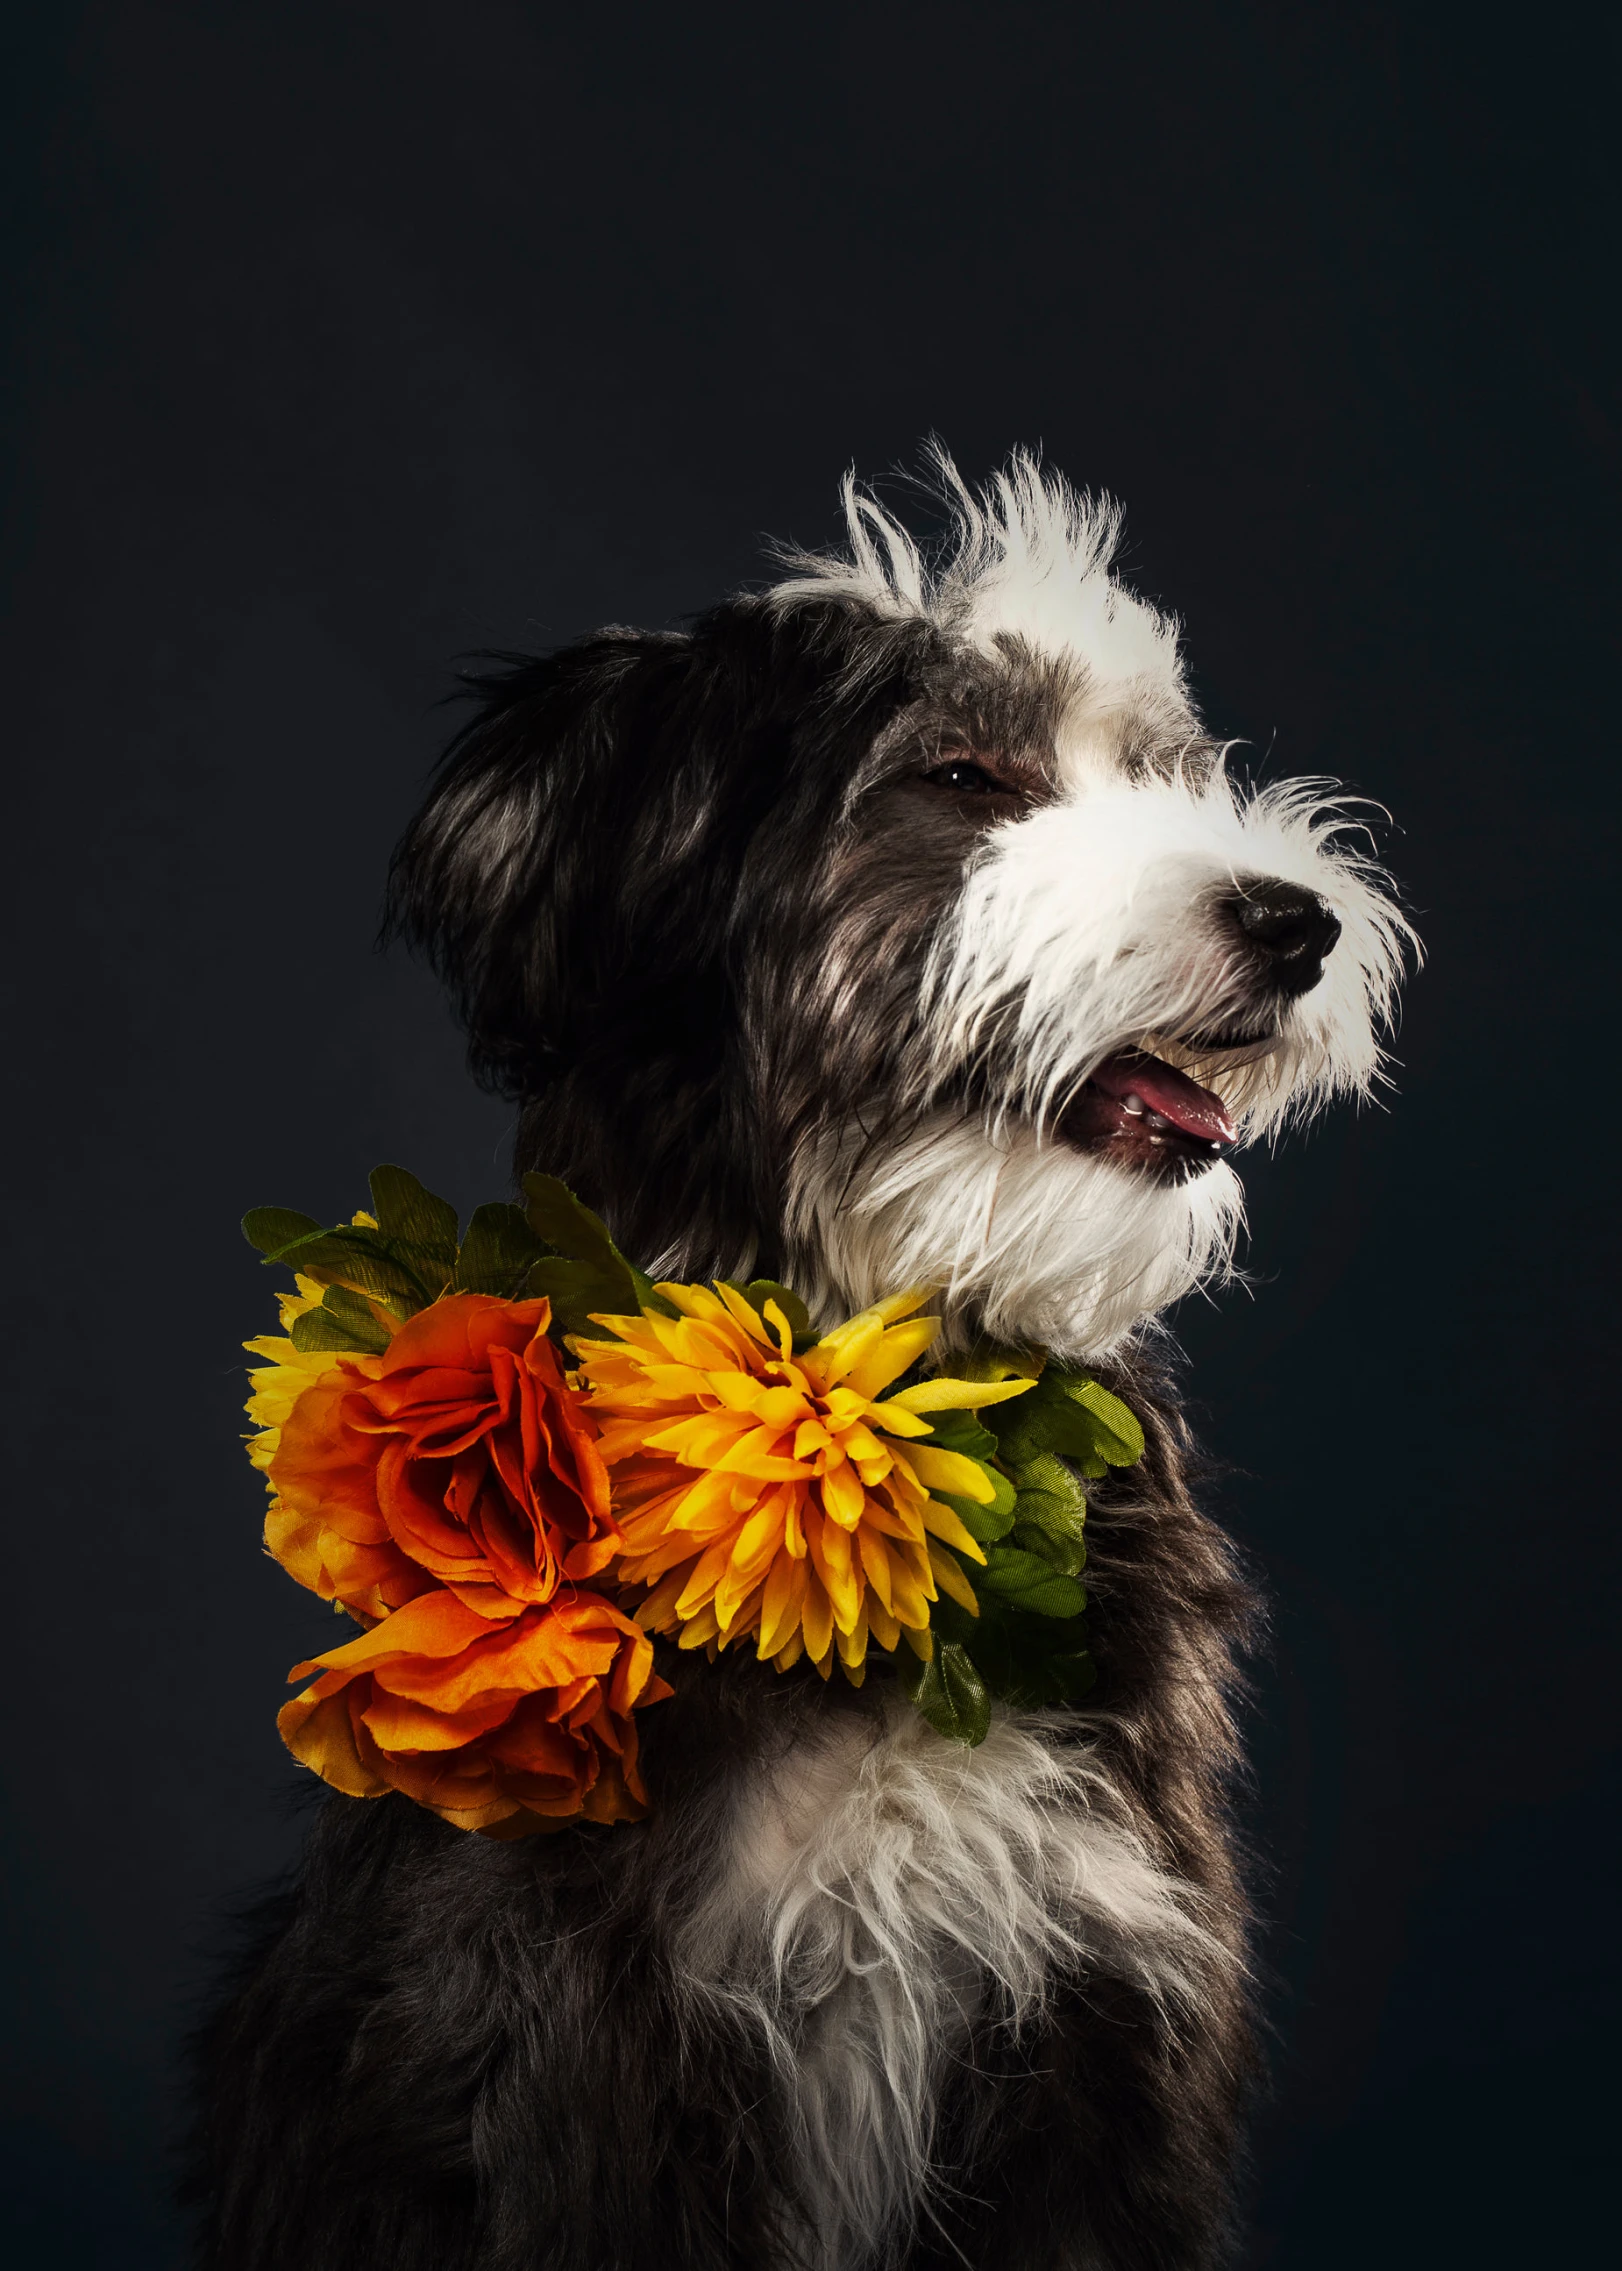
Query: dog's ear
[574, 874]
[541, 872]
[573, 871]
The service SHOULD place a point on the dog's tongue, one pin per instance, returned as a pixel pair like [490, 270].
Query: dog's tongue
[1161, 1088]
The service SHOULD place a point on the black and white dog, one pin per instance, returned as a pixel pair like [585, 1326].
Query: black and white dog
[893, 925]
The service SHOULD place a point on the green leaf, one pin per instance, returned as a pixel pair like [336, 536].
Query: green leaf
[1050, 1513]
[578, 1291]
[1042, 1421]
[499, 1251]
[343, 1321]
[409, 1215]
[1027, 1582]
[355, 1315]
[983, 1523]
[1067, 1556]
[1068, 1413]
[1030, 1661]
[760, 1290]
[991, 1360]
[1047, 1477]
[597, 1276]
[1020, 1428]
[273, 1228]
[403, 1278]
[951, 1695]
[647, 1295]
[557, 1216]
[359, 1257]
[960, 1431]
[1117, 1431]
[315, 1331]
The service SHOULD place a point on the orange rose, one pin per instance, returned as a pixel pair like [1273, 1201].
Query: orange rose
[456, 1457]
[498, 1727]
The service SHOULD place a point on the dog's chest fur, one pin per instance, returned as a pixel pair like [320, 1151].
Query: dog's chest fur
[880, 1898]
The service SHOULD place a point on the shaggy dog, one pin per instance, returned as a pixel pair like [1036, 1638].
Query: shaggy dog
[895, 924]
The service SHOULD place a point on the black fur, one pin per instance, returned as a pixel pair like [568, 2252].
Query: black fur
[1115, 2139]
[640, 858]
[639, 864]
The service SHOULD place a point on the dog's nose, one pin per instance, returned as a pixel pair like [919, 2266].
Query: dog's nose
[1290, 928]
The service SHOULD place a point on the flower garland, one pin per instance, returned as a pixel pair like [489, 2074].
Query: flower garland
[512, 1459]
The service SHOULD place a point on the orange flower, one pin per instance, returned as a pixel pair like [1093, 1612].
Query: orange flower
[499, 1727]
[456, 1457]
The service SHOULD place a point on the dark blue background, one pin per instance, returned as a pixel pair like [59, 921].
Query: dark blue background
[350, 337]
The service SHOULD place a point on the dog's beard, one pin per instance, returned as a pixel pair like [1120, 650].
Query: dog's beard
[1027, 1240]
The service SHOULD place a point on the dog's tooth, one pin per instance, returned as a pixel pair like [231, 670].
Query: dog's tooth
[1132, 1103]
[1155, 1120]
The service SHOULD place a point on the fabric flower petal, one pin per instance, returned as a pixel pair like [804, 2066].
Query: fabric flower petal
[483, 1723]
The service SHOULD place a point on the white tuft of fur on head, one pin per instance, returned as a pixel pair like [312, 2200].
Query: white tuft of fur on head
[873, 1898]
[1028, 562]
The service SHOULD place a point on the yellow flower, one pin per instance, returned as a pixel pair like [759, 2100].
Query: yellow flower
[288, 1371]
[778, 1496]
[276, 1387]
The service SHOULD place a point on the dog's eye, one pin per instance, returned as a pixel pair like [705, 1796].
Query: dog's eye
[971, 780]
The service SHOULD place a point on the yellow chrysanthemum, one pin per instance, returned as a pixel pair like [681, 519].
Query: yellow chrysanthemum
[287, 1372]
[778, 1496]
[275, 1388]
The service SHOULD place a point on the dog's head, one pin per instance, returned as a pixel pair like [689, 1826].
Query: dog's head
[893, 927]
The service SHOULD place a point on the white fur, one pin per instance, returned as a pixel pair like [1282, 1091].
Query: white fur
[1036, 1242]
[871, 1900]
[1096, 923]
[1092, 925]
[1028, 562]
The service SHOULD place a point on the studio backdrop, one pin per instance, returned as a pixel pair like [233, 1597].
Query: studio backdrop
[352, 340]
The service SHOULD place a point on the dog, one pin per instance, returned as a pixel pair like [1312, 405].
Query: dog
[898, 923]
